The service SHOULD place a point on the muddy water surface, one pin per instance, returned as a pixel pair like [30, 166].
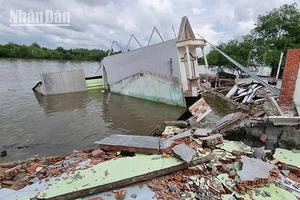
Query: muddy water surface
[56, 125]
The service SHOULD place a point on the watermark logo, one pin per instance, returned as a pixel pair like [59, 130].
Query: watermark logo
[39, 18]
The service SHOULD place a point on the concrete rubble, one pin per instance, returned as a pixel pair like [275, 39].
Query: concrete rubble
[182, 162]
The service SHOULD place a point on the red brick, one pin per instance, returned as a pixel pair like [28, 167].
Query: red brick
[97, 153]
[289, 76]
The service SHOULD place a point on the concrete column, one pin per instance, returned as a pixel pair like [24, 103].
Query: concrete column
[183, 76]
[188, 60]
[206, 63]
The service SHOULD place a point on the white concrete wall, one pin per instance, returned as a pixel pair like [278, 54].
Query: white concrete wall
[183, 66]
[154, 58]
[63, 82]
[151, 86]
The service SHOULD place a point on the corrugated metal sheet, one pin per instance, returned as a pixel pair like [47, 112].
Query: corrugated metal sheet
[63, 82]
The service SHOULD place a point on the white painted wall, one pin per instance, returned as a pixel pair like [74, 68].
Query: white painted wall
[183, 66]
[154, 58]
[297, 90]
[63, 82]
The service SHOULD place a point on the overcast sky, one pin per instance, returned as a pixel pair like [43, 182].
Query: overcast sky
[96, 23]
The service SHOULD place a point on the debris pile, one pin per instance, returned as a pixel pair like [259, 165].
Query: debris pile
[184, 162]
[16, 175]
[257, 99]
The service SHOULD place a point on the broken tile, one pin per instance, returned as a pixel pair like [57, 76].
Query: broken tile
[231, 146]
[32, 168]
[254, 168]
[287, 157]
[200, 109]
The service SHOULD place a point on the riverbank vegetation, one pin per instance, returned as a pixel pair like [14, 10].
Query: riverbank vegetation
[35, 51]
[275, 32]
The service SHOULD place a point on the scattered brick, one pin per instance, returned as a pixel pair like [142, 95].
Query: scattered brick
[120, 195]
[97, 153]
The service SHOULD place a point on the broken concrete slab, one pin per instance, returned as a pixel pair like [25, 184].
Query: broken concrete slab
[258, 152]
[283, 120]
[276, 192]
[27, 192]
[185, 134]
[134, 143]
[184, 152]
[231, 146]
[202, 132]
[200, 109]
[287, 157]
[109, 176]
[193, 122]
[228, 120]
[225, 119]
[254, 168]
[135, 192]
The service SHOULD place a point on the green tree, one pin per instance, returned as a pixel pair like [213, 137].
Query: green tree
[239, 51]
[12, 50]
[275, 32]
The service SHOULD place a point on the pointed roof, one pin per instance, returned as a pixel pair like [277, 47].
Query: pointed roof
[185, 30]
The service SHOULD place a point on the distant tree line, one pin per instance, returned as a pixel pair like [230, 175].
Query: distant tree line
[12, 50]
[275, 32]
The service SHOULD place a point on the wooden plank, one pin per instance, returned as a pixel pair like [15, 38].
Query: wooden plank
[253, 93]
[232, 91]
[275, 104]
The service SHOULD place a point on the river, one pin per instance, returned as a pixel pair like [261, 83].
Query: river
[58, 124]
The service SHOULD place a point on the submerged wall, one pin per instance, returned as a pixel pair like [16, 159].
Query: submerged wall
[154, 58]
[151, 73]
[151, 86]
[63, 82]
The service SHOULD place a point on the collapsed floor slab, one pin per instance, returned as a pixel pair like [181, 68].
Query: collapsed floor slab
[115, 174]
[134, 143]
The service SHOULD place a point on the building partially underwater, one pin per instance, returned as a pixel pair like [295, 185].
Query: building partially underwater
[164, 72]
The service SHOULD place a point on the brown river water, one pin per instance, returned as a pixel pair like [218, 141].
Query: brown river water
[58, 124]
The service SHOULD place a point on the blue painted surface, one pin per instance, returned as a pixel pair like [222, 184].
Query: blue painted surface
[150, 86]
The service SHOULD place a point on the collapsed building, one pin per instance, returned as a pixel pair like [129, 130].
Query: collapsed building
[162, 72]
[185, 160]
